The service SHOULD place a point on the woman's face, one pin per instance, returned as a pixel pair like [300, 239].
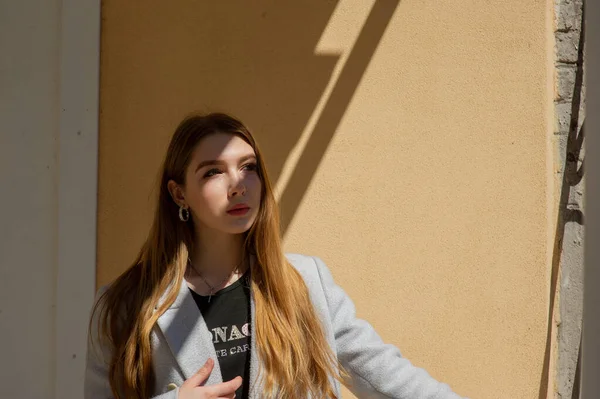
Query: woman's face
[222, 186]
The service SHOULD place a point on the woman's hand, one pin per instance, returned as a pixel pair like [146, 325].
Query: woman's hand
[191, 388]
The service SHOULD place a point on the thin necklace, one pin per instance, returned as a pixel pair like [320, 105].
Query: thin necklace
[212, 289]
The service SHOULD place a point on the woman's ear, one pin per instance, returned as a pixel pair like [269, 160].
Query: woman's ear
[176, 193]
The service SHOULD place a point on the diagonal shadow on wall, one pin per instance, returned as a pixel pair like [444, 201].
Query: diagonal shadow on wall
[346, 85]
[572, 176]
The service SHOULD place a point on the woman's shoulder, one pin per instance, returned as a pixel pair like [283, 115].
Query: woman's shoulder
[303, 263]
[311, 268]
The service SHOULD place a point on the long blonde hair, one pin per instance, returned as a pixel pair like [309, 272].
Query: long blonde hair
[295, 358]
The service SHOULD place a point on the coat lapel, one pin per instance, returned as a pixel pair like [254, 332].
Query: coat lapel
[188, 337]
[191, 343]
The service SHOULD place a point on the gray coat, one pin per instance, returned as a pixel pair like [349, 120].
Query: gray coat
[182, 343]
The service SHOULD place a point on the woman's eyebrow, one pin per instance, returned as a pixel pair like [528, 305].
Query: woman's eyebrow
[221, 162]
[247, 157]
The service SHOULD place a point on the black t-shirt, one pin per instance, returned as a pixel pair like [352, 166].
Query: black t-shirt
[227, 317]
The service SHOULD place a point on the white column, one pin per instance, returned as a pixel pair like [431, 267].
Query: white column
[77, 189]
[48, 177]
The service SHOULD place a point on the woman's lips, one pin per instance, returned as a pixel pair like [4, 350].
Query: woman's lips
[238, 210]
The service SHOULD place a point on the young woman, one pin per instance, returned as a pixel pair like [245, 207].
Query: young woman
[212, 308]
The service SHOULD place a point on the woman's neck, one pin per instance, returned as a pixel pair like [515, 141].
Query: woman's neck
[218, 254]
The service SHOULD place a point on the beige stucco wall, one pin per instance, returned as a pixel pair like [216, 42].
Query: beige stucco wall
[408, 142]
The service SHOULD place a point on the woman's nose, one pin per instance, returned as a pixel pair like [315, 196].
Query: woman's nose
[237, 186]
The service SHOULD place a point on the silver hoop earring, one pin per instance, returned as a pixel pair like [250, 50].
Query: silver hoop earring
[184, 214]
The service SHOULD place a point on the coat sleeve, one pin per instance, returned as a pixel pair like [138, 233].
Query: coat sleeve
[376, 369]
[96, 384]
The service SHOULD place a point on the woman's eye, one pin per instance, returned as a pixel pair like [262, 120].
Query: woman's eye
[250, 167]
[212, 172]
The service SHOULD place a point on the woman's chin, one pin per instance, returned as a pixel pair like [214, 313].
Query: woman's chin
[239, 228]
[238, 231]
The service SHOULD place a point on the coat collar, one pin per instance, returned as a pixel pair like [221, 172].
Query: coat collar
[191, 343]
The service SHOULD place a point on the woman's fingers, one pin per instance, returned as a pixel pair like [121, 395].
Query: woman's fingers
[192, 388]
[226, 389]
[201, 375]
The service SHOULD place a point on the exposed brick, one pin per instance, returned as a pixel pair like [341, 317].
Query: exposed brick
[563, 118]
[568, 14]
[567, 45]
[568, 25]
[565, 82]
